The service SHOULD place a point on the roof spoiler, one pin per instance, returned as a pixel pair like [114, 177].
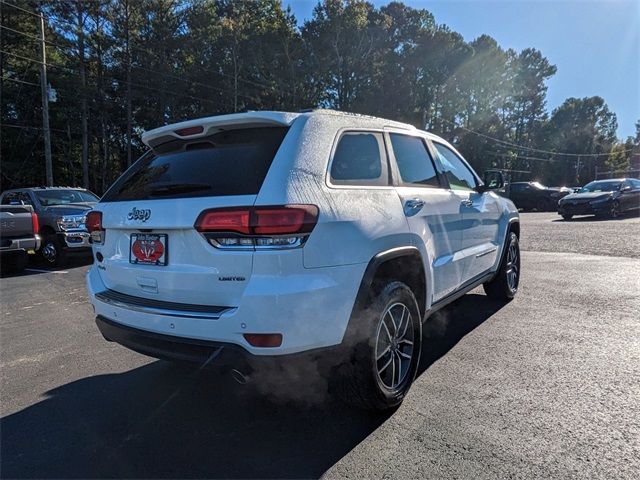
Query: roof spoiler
[203, 127]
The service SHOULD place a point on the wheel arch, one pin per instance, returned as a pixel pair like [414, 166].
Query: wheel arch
[401, 264]
[46, 230]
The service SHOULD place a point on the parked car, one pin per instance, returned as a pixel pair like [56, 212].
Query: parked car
[18, 236]
[267, 237]
[61, 212]
[604, 198]
[534, 195]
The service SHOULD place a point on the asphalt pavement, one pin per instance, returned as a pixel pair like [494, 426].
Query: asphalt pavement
[545, 386]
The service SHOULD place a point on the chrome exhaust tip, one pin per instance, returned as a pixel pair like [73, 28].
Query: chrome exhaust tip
[239, 377]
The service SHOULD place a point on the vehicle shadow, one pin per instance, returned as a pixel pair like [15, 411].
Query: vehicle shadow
[162, 421]
[35, 266]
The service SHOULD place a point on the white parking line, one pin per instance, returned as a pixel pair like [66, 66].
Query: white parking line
[44, 271]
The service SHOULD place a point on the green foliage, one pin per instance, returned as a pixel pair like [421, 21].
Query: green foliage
[150, 62]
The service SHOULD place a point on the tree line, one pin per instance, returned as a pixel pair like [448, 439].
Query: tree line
[119, 67]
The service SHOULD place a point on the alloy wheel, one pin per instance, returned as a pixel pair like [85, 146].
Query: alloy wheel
[615, 210]
[513, 264]
[394, 345]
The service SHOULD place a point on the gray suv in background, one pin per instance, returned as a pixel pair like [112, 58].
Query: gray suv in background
[61, 213]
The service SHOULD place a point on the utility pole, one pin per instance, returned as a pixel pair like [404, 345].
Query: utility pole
[45, 106]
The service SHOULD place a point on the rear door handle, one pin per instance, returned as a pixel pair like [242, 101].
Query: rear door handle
[413, 206]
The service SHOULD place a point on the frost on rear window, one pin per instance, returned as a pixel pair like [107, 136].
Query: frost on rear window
[233, 162]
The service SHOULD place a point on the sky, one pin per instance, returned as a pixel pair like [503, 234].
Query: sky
[595, 44]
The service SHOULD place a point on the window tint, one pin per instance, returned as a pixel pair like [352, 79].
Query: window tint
[358, 160]
[458, 174]
[17, 198]
[48, 198]
[233, 162]
[413, 159]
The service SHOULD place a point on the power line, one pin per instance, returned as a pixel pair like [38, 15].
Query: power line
[515, 145]
[243, 80]
[29, 127]
[522, 157]
[16, 80]
[35, 37]
[113, 77]
[21, 9]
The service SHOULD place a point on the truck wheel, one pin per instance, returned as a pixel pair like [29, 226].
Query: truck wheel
[504, 285]
[384, 350]
[52, 253]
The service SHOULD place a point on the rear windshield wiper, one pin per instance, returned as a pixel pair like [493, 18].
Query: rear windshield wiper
[173, 188]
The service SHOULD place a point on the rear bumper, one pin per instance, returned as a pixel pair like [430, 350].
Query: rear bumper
[14, 245]
[202, 352]
[310, 310]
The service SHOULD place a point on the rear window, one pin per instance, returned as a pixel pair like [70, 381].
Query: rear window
[227, 163]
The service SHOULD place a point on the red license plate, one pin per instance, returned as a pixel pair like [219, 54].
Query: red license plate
[148, 248]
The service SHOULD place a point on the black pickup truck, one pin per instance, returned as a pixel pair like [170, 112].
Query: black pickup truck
[61, 212]
[18, 236]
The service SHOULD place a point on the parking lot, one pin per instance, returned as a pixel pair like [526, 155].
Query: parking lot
[545, 386]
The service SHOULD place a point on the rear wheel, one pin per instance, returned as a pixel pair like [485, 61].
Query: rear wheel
[504, 285]
[385, 342]
[567, 217]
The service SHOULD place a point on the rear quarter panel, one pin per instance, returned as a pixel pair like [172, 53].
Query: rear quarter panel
[354, 223]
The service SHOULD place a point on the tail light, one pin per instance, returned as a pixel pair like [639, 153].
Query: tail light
[94, 226]
[35, 222]
[284, 226]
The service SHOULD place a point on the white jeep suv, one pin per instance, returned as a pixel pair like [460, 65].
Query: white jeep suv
[251, 236]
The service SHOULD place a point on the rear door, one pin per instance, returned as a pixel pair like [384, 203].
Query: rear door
[432, 211]
[151, 248]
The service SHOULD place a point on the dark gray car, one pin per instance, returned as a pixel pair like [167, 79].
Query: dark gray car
[603, 198]
[61, 212]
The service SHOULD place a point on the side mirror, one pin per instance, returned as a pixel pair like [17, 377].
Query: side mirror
[493, 180]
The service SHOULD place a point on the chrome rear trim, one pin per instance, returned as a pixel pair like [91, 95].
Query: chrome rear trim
[159, 307]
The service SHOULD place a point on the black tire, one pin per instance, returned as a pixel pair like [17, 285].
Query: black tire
[52, 253]
[567, 217]
[504, 285]
[364, 381]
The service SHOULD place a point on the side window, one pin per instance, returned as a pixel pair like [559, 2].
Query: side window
[413, 159]
[16, 198]
[360, 159]
[635, 184]
[26, 200]
[458, 174]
